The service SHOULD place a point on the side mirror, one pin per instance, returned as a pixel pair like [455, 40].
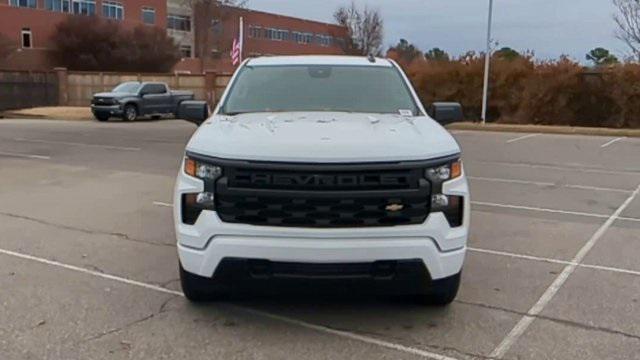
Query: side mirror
[446, 112]
[194, 111]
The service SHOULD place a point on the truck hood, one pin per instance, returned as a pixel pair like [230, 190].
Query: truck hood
[322, 137]
[112, 95]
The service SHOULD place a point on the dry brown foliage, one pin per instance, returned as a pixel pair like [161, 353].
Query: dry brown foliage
[525, 91]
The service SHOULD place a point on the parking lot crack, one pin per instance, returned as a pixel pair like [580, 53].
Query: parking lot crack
[118, 329]
[82, 230]
[491, 307]
[589, 327]
[163, 309]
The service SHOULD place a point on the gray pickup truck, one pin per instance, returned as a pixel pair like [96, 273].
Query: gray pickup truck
[130, 100]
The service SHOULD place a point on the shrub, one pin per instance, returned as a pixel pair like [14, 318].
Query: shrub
[92, 43]
[525, 91]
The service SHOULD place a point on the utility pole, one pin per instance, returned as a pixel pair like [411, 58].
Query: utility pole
[487, 62]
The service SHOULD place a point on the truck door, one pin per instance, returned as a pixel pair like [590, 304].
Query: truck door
[156, 99]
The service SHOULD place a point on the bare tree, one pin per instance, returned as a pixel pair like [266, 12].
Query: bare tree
[208, 17]
[628, 21]
[366, 29]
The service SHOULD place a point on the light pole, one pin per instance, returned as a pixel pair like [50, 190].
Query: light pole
[487, 62]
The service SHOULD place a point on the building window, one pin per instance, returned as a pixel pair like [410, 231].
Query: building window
[58, 5]
[185, 51]
[179, 22]
[112, 10]
[26, 39]
[84, 7]
[25, 3]
[255, 32]
[277, 34]
[324, 40]
[149, 16]
[302, 38]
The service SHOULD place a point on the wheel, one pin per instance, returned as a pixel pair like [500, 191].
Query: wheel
[197, 288]
[101, 117]
[441, 292]
[130, 112]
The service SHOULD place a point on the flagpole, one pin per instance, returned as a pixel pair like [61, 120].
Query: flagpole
[487, 61]
[241, 37]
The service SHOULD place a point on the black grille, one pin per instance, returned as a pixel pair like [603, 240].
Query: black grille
[323, 198]
[103, 101]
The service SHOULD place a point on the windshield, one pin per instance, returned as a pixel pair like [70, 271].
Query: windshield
[366, 89]
[128, 87]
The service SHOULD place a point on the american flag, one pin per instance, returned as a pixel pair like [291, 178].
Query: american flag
[236, 50]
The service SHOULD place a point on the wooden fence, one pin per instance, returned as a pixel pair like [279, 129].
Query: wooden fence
[76, 88]
[24, 89]
[82, 85]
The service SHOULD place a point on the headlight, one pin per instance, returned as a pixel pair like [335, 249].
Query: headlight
[445, 172]
[201, 170]
[451, 206]
[193, 204]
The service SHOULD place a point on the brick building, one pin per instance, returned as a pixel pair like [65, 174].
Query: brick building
[30, 23]
[204, 41]
[209, 39]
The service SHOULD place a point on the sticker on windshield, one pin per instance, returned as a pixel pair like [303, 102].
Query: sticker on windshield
[405, 112]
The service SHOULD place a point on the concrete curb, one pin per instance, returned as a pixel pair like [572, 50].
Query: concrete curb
[18, 115]
[545, 129]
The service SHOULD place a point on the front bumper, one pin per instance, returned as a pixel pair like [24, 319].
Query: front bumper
[202, 247]
[115, 110]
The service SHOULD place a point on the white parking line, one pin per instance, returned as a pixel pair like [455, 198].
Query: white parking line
[521, 138]
[596, 188]
[159, 203]
[555, 286]
[556, 211]
[90, 272]
[541, 183]
[111, 147]
[511, 181]
[28, 156]
[553, 261]
[323, 329]
[530, 208]
[611, 142]
[353, 336]
[556, 167]
[518, 256]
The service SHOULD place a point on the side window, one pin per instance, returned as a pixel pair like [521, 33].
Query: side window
[154, 89]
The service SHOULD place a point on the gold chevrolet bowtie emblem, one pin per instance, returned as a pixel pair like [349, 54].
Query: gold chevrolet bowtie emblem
[394, 207]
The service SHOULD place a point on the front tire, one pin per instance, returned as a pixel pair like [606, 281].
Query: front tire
[197, 288]
[101, 117]
[130, 113]
[441, 292]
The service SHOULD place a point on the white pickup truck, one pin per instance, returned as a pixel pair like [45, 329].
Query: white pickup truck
[322, 168]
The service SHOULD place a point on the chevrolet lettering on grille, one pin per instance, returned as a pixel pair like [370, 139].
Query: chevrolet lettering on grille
[332, 180]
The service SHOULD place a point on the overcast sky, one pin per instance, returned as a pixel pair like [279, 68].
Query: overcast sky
[549, 27]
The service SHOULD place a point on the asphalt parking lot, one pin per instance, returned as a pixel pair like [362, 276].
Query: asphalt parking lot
[88, 266]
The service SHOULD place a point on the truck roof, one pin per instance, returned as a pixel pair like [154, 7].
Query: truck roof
[318, 60]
